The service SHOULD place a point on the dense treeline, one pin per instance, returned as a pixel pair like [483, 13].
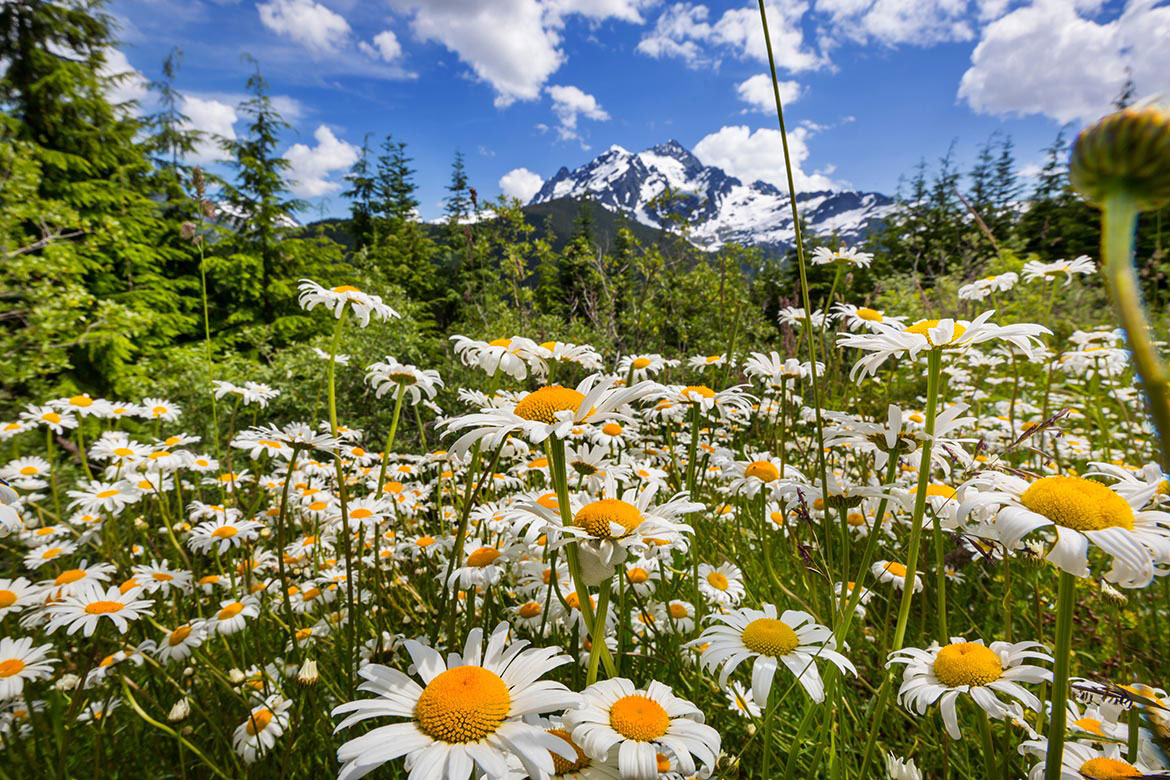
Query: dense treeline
[121, 261]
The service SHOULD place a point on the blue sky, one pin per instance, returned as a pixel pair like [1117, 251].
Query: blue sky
[523, 87]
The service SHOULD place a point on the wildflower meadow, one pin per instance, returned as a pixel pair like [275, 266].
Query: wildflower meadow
[288, 509]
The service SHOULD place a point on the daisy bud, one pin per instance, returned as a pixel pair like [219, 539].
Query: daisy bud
[67, 682]
[180, 710]
[308, 673]
[236, 676]
[188, 671]
[1126, 151]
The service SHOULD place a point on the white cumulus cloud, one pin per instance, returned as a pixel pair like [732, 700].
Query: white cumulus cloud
[918, 22]
[1053, 58]
[385, 46]
[513, 45]
[520, 183]
[682, 31]
[759, 155]
[311, 167]
[129, 84]
[570, 103]
[215, 119]
[757, 93]
[311, 24]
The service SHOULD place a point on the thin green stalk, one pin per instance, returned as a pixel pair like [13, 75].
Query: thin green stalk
[597, 632]
[1119, 221]
[390, 439]
[1065, 603]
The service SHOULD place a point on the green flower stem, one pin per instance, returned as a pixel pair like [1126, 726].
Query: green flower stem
[851, 599]
[988, 744]
[346, 535]
[1119, 215]
[390, 439]
[207, 342]
[932, 392]
[555, 449]
[281, 542]
[1066, 601]
[597, 632]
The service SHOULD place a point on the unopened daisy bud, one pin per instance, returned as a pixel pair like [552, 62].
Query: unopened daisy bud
[67, 682]
[308, 673]
[180, 710]
[1129, 152]
[188, 671]
[236, 676]
[1032, 553]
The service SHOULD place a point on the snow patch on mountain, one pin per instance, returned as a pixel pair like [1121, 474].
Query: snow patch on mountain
[721, 208]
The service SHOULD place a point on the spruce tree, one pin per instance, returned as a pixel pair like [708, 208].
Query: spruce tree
[362, 192]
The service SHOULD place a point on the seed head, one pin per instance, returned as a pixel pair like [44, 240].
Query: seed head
[1127, 151]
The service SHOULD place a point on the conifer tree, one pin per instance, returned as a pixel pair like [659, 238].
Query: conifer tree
[362, 192]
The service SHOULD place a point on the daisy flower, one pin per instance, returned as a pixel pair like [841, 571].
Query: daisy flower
[722, 585]
[642, 366]
[233, 615]
[941, 674]
[108, 497]
[707, 361]
[792, 639]
[219, 536]
[85, 610]
[181, 641]
[550, 411]
[1085, 513]
[49, 417]
[467, 714]
[886, 341]
[741, 702]
[337, 298]
[78, 579]
[1034, 269]
[638, 724]
[391, 375]
[160, 409]
[1081, 762]
[582, 355]
[47, 553]
[851, 257]
[862, 318]
[20, 662]
[513, 356]
[17, 594]
[264, 725]
[892, 571]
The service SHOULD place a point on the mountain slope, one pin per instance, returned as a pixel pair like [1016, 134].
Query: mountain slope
[720, 208]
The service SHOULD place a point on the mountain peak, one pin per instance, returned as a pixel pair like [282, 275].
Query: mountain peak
[720, 207]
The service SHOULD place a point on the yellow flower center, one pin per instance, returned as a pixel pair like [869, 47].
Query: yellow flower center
[179, 635]
[225, 532]
[69, 577]
[51, 417]
[7, 599]
[1108, 769]
[697, 392]
[855, 519]
[346, 288]
[425, 541]
[922, 328]
[483, 557]
[638, 718]
[52, 552]
[640, 363]
[11, 666]
[542, 405]
[548, 501]
[611, 429]
[529, 610]
[717, 580]
[941, 491]
[103, 607]
[967, 663]
[769, 636]
[361, 513]
[500, 343]
[560, 765]
[158, 410]
[258, 722]
[81, 400]
[107, 494]
[1091, 725]
[762, 470]
[28, 471]
[872, 315]
[597, 517]
[895, 568]
[230, 611]
[123, 452]
[713, 358]
[662, 762]
[464, 704]
[1078, 503]
[637, 575]
[678, 611]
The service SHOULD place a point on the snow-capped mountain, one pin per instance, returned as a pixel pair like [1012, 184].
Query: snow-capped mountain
[721, 208]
